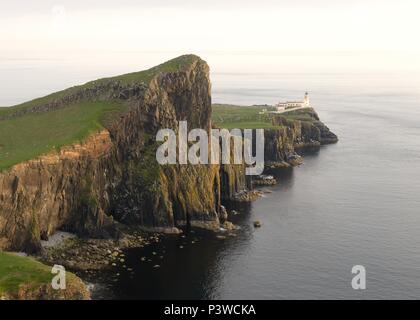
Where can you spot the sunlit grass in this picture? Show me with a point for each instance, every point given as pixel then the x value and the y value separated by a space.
pixel 33 134
pixel 16 270
pixel 27 136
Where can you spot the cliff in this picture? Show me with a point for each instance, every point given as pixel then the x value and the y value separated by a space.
pixel 83 159
pixel 25 278
pixel 284 133
pixel 111 173
pixel 295 130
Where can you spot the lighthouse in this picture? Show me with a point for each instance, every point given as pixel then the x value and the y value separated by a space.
pixel 306 100
pixel 283 106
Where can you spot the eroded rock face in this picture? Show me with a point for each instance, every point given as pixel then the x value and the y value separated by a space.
pixel 41 195
pixel 113 175
pixel 281 144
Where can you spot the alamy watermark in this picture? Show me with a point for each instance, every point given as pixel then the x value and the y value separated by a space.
pixel 58 282
pixel 196 147
pixel 359 280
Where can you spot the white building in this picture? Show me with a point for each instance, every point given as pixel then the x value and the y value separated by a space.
pixel 281 106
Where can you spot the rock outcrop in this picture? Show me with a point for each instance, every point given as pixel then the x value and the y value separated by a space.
pixel 303 132
pixel 24 278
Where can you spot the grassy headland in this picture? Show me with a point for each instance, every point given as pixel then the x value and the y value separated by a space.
pixel 26 278
pixel 29 135
pixel 230 116
pixel 247 117
pixel 174 65
pixel 16 270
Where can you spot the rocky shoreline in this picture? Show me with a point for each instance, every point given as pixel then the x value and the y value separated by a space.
pixel 79 254
pixel 91 255
pixel 86 256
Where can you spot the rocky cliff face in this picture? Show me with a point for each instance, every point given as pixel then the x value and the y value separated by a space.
pixel 303 132
pixel 113 175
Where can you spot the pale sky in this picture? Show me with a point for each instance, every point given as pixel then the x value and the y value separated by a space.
pixel 238 35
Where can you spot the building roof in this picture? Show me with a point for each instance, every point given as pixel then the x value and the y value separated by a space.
pixel 290 102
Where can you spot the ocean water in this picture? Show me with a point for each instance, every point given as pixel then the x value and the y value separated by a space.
pixel 356 202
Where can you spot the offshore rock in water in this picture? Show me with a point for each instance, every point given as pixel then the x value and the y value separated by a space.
pixel 247 196
pixel 264 180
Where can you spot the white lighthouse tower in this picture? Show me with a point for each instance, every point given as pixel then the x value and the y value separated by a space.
pixel 306 100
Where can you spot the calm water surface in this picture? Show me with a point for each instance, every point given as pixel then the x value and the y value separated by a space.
pixel 355 202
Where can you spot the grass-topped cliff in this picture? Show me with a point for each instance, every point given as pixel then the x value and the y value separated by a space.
pixel 248 117
pixel 283 132
pixel 25 137
pixel 36 127
pixel 26 278
pixel 242 117
pixel 174 65
pixel 110 173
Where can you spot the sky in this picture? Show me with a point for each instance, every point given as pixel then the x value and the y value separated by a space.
pixel 264 36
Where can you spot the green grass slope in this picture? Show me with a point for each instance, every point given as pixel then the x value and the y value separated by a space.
pixel 230 116
pixel 174 65
pixel 33 134
pixel 26 137
pixel 26 278
pixel 16 270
